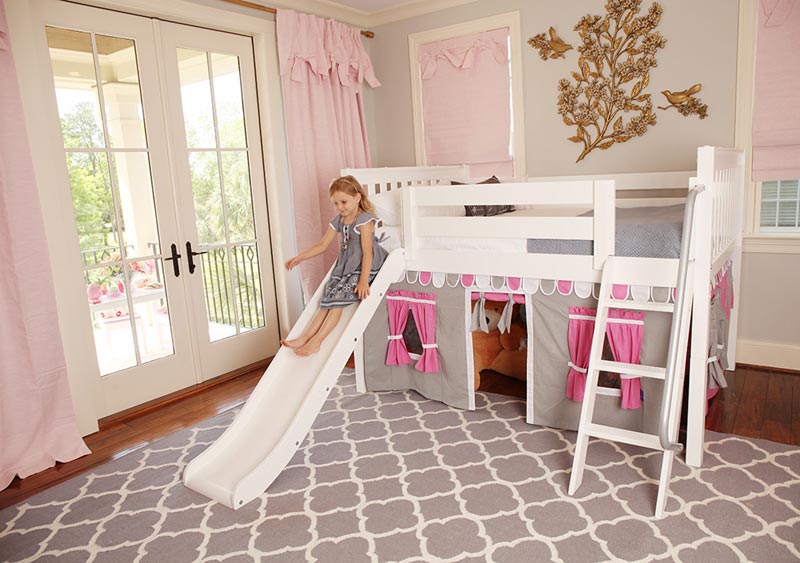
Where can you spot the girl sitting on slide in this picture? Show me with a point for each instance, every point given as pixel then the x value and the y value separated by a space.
pixel 360 258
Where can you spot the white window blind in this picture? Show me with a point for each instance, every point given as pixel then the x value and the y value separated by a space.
pixel 780 206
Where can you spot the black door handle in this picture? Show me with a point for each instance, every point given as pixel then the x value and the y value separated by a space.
pixel 175 258
pixel 190 256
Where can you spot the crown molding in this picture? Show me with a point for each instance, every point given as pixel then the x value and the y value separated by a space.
pixel 412 9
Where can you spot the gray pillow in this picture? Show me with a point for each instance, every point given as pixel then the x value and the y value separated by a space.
pixel 484 210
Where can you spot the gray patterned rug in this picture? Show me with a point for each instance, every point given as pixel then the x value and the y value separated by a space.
pixel 395 477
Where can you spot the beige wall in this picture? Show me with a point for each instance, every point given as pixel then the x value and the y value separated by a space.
pixel 701 47
pixel 708 56
pixel 769 318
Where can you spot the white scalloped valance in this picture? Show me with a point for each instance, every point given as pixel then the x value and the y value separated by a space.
pixel 503 285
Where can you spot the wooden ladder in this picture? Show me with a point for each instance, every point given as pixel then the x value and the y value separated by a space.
pixel 621 271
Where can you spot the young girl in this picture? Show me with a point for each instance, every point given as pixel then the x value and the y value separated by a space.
pixel 360 258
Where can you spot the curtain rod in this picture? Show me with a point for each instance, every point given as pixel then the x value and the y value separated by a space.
pixel 261 8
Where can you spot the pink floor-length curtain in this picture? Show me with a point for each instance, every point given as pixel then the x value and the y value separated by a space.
pixel 397 305
pixel 579 341
pixel 322 65
pixel 466 102
pixel 37 418
pixel 625 340
pixel 423 307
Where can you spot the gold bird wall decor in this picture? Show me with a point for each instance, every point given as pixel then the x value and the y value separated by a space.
pixel 685 102
pixel 553 48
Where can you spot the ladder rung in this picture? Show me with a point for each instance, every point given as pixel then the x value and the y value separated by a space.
pixel 643 306
pixel 632 369
pixel 625 436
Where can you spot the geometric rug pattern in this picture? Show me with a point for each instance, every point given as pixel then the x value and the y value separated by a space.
pixel 396 477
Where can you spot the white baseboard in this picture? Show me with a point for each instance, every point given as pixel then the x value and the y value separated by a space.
pixel 768 354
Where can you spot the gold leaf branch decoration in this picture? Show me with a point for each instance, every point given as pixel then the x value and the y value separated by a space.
pixel 617 52
pixel 685 102
pixel 553 48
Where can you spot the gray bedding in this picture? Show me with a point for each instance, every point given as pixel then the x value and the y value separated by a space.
pixel 642 232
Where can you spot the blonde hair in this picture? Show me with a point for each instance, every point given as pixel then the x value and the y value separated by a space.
pixel 351 186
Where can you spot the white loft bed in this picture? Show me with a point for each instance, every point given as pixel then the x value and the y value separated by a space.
pixel 554 206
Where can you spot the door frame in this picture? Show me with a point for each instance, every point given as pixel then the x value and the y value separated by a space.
pixel 21 20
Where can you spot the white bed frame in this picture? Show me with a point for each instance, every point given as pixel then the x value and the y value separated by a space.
pixel 716 237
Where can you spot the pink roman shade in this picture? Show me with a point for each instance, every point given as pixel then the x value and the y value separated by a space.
pixel 466 102
pixel 776 119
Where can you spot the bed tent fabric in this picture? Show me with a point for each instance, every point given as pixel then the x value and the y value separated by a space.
pixel 550 310
pixel 37 418
pixel 625 332
pixel 322 65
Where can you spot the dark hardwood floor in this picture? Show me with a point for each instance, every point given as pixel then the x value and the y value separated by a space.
pixel 758 403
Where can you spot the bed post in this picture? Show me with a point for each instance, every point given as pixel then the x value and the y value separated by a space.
pixel 604 222
pixel 409 222
pixel 358 357
pixel 736 257
pixel 701 238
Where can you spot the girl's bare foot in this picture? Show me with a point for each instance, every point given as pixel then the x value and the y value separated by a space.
pixel 295 342
pixel 311 347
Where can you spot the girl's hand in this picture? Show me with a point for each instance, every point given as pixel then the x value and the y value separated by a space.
pixel 362 289
pixel 292 262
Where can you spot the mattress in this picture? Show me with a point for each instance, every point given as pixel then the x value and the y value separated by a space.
pixel 642 232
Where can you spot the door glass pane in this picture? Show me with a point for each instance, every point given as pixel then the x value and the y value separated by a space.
pixel 72 59
pixel 151 312
pixel 251 311
pixel 112 196
pixel 122 100
pixel 198 115
pixel 228 98
pixel 113 333
pixel 137 209
pixel 238 201
pixel 207 192
pixel 219 297
pixel 93 205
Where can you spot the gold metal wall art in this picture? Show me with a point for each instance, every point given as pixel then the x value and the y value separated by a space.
pixel 552 48
pixel 616 54
pixel 685 102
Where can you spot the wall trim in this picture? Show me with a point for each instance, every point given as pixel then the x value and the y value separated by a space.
pixel 765 244
pixel 769 354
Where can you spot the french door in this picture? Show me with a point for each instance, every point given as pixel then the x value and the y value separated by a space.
pixel 159 152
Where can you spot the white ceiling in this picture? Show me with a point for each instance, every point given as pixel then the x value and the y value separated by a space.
pixel 373 6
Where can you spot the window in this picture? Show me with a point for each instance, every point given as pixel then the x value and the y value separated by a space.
pixel 780 206
pixel 458 73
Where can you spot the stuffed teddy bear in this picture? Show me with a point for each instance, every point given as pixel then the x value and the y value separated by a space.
pixel 486 345
pixel 513 358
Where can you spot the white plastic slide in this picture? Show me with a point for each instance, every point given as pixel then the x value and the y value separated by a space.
pixel 250 454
